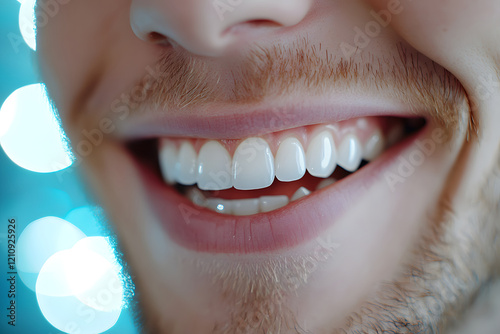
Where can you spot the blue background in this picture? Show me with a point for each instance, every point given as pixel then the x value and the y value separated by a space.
pixel 27 196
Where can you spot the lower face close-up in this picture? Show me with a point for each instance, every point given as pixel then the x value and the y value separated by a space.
pixel 304 166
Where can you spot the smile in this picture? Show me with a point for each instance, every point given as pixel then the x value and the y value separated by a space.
pixel 211 177
pixel 269 191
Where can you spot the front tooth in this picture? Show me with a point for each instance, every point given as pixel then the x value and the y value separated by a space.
pixel 185 167
pixel 350 152
pixel 290 160
pixel 253 165
pixel 374 146
pixel 168 160
pixel 245 207
pixel 214 167
pixel 270 203
pixel 220 205
pixel 321 155
pixel 301 192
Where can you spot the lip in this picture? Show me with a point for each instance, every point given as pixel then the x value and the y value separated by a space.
pixel 234 122
pixel 202 230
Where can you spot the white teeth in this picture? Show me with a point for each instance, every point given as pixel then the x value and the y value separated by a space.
pixel 290 160
pixel 245 207
pixel 214 167
pixel 168 159
pixel 301 192
pixel 253 165
pixel 321 155
pixel 270 203
pixel 325 183
pixel 238 207
pixel 374 146
pixel 220 205
pixel 185 167
pixel 350 152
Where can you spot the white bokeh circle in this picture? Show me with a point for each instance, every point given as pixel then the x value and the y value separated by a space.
pixel 39 241
pixel 79 290
pixel 34 140
pixel 27 22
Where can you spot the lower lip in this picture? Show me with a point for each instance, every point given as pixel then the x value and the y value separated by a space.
pixel 202 230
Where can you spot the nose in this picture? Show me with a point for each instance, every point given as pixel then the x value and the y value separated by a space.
pixel 209 27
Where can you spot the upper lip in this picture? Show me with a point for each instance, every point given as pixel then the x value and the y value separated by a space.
pixel 235 122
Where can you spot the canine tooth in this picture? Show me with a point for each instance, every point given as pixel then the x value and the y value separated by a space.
pixel 290 161
pixel 196 196
pixel 185 167
pixel 253 165
pixel 301 192
pixel 220 205
pixel 374 146
pixel 325 183
pixel 214 167
pixel 245 207
pixel 270 203
pixel 167 160
pixel 321 155
pixel 350 152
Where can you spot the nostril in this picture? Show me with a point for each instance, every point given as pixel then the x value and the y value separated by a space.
pixel 263 23
pixel 252 25
pixel 157 38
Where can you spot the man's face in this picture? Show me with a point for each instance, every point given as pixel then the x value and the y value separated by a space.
pixel 200 123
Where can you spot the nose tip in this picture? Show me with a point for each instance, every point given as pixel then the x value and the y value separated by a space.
pixel 209 27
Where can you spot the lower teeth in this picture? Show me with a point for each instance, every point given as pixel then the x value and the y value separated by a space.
pixel 251 206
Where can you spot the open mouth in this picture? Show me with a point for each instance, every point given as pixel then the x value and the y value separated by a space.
pixel 234 186
pixel 260 174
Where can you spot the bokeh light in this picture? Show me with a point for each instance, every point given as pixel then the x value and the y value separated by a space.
pixel 95 280
pixel 86 219
pixel 7 113
pixel 39 241
pixel 27 21
pixel 79 290
pixel 34 140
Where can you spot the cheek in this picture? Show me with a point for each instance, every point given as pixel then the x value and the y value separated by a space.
pixel 443 24
pixel 90 44
pixel 69 45
pixel 463 36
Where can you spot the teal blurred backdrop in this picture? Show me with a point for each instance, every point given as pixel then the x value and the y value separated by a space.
pixel 27 196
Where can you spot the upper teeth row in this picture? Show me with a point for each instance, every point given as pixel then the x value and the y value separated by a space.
pixel 253 165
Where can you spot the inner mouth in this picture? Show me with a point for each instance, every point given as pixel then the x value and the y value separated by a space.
pixel 259 174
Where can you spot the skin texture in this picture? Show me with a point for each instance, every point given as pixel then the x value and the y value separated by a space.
pixel 409 260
